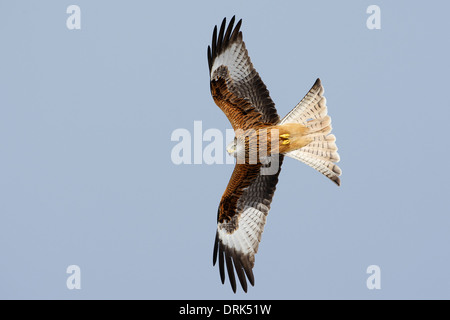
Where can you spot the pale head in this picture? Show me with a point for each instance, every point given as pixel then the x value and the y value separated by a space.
pixel 231 148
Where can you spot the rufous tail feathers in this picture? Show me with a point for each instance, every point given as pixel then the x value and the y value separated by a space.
pixel 305 134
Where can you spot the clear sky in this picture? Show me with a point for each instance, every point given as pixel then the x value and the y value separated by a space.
pixel 87 179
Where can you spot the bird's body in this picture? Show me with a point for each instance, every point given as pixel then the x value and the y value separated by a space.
pixel 270 139
pixel 262 140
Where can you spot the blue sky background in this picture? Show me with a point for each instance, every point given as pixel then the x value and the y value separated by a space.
pixel 86 176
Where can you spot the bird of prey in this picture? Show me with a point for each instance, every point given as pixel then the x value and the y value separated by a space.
pixel 303 134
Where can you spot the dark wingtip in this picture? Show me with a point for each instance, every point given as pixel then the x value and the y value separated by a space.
pixel 208 52
pixel 221 264
pixel 222 37
pixel 237 28
pixel 214 42
pixel 221 31
pixel 240 271
pixel 232 20
pixel 230 270
pixel 249 272
pixel 216 246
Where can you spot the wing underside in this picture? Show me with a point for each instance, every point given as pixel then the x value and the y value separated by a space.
pixel 241 225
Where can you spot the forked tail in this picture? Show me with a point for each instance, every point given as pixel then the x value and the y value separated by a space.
pixel 321 153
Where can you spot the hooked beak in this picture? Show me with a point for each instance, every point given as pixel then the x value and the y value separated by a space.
pixel 231 148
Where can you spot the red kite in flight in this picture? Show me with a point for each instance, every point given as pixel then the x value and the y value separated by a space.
pixel 303 134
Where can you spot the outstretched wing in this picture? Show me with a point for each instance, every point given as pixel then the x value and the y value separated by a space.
pixel 241 218
pixel 235 85
pixel 238 90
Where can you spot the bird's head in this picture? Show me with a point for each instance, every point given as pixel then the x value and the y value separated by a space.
pixel 231 148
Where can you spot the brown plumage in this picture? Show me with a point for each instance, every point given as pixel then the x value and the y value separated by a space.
pixel 261 142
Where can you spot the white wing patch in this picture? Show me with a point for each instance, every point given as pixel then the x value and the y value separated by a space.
pixel 236 59
pixel 245 239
